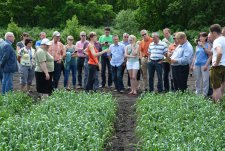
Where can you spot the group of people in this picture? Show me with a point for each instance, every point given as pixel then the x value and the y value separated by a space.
pixel 171 59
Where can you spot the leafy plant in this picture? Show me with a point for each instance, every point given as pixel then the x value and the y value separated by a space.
pixel 180 121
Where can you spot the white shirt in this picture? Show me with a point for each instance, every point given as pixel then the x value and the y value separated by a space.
pixel 219 42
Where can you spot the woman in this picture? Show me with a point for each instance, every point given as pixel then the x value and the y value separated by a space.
pixel 93 64
pixel 70 63
pixel 26 64
pixel 132 55
pixel 21 44
pixel 44 69
pixel 200 64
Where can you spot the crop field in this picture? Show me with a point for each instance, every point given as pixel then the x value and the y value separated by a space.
pixel 177 121
pixel 64 121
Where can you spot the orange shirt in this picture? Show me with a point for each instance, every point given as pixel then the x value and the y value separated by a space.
pixel 172 47
pixel 57 50
pixel 92 59
pixel 144 46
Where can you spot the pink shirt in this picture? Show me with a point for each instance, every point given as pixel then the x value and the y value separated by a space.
pixel 80 48
pixel 57 50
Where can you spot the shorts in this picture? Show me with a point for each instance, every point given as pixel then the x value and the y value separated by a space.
pixel 133 65
pixel 26 75
pixel 43 85
pixel 217 76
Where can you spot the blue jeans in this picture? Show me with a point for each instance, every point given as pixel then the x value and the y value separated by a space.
pixel 152 67
pixel 1 76
pixel 106 62
pixel 56 74
pixel 86 71
pixel 117 77
pixel 7 82
pixel 67 69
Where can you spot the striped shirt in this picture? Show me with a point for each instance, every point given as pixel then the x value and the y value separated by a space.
pixel 157 51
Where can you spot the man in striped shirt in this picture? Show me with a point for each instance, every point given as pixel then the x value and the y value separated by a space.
pixel 157 50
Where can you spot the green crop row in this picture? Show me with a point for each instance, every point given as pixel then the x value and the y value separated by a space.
pixel 65 121
pixel 14 103
pixel 179 121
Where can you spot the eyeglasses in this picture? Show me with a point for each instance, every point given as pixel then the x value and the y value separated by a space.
pixel 83 35
pixel 70 39
pixel 143 35
pixel 125 36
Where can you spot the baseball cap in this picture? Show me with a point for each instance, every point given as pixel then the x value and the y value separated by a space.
pixel 46 41
pixel 56 33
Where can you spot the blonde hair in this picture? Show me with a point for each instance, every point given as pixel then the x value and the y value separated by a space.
pixel 181 35
pixel 133 37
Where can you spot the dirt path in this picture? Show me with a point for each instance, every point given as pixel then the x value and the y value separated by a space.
pixel 124 137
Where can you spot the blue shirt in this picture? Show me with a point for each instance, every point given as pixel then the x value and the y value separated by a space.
pixel 125 43
pixel 201 56
pixel 117 53
pixel 158 50
pixel 183 54
pixel 38 43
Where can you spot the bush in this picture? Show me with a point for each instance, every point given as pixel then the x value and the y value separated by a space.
pixel 125 21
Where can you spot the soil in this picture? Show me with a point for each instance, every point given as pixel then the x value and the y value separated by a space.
pixel 124 138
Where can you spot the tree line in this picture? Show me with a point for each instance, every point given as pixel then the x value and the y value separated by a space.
pixel 150 14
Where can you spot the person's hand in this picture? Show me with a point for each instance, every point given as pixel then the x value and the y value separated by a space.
pixel 47 77
pixel 107 50
pixel 173 61
pixel 214 64
pixel 192 68
pixel 59 61
pixel 205 68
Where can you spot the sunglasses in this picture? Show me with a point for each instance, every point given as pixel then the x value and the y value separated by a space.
pixel 143 35
pixel 83 35
pixel 70 39
pixel 125 36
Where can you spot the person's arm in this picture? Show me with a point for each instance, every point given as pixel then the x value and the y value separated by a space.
pixel 193 63
pixel 187 54
pixel 207 63
pixel 45 69
pixel 207 50
pixel 91 47
pixel 6 54
pixel 126 53
pixel 219 55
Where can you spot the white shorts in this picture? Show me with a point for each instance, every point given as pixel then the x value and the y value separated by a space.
pixel 133 65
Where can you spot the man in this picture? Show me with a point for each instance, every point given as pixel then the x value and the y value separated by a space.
pixel 218 62
pixel 223 31
pixel 8 62
pixel 42 36
pixel 117 53
pixel 81 56
pixel 106 41
pixel 1 42
pixel 57 51
pixel 157 50
pixel 144 45
pixel 125 42
pixel 180 61
pixel 168 39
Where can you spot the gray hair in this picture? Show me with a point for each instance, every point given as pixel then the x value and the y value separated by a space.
pixel 81 33
pixel 144 31
pixel 8 34
pixel 115 36
pixel 155 34
pixel 42 33
pixel 125 34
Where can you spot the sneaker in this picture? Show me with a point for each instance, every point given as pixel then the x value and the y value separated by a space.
pixel 110 86
pixel 79 87
pixel 122 91
pixel 115 90
pixel 101 86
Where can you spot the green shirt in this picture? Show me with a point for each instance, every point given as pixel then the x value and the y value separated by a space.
pixel 44 56
pixel 168 41
pixel 104 39
pixel 129 52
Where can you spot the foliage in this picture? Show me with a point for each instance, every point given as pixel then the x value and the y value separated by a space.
pixel 65 121
pixel 14 103
pixel 125 21
pixel 13 27
pixel 180 121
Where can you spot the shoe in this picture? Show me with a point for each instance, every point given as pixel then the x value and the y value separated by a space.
pixel 79 87
pixel 115 90
pixel 122 91
pixel 128 87
pixel 110 86
pixel 101 86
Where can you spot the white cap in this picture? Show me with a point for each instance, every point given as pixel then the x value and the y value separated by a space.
pixel 46 41
pixel 56 33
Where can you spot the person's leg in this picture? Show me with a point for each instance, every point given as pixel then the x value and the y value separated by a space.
pixel 57 74
pixel 144 68
pixel 159 69
pixel 205 78
pixel 128 79
pixel 130 71
pixel 175 78
pixel 120 78
pixel 96 83
pixel 109 72
pixel 85 72
pixel 1 76
pixel 114 77
pixel 91 77
pixel 74 72
pixel 198 76
pixel 184 77
pixel 166 71
pixel 151 71
pixel 80 64
pixel 134 79
pixel 30 78
pixel 23 77
pixel 103 62
pixel 123 69
pixel 66 76
pixel 9 82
